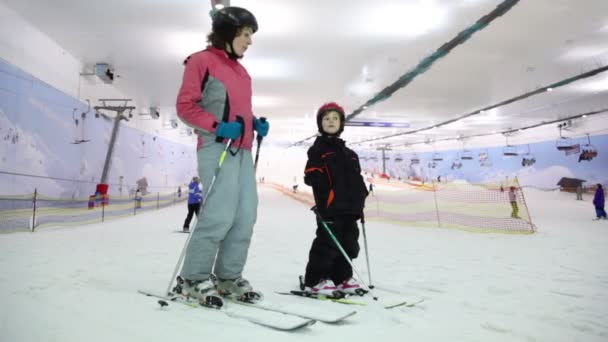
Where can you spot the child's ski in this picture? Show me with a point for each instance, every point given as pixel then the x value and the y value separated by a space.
pixel 342 299
pixel 346 300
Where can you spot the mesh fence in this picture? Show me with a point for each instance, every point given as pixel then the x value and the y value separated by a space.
pixel 472 207
pixel 34 211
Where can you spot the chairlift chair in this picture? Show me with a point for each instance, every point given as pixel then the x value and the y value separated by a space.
pixel 528 158
pixel 456 164
pixel 398 159
pixel 564 144
pixel 414 159
pixel 466 155
pixel 483 156
pixel 510 151
pixel 484 159
pixel 437 157
pixel 588 151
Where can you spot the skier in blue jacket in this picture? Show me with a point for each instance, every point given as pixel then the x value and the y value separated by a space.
pixel 598 202
pixel 195 198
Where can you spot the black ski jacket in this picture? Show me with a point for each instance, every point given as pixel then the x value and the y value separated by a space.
pixel 334 173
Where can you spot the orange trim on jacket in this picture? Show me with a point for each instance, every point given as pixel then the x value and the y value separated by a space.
pixel 311 169
pixel 330 198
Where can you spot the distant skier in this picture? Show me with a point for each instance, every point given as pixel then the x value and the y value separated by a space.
pixel 579 192
pixel 195 198
pixel 598 202
pixel 513 200
pixel 138 197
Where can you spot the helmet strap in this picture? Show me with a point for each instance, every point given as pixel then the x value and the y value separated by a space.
pixel 230 50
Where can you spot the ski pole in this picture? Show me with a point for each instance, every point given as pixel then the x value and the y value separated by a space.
pixel 257 151
pixel 333 237
pixel 369 271
pixel 183 253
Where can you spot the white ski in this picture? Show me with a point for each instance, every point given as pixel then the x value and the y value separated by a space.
pixel 298 310
pixel 276 320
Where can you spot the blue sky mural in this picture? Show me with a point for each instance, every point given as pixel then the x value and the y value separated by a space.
pixel 40 128
pixel 492 165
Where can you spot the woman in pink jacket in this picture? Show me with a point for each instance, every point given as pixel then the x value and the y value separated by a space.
pixel 215 100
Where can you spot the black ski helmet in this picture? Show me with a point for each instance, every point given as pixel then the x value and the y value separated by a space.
pixel 228 20
pixel 327 108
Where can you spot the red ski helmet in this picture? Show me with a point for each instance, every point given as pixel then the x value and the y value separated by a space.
pixel 330 106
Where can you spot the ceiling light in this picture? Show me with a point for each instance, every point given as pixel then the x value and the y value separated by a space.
pixel 282 25
pixel 219 6
pixel 265 101
pixel 594 86
pixel 583 53
pixel 413 19
pixel 584 116
pixel 361 89
pixel 549 89
pixel 268 68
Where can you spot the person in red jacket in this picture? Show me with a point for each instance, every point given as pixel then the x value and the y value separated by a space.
pixel 215 99
pixel 334 173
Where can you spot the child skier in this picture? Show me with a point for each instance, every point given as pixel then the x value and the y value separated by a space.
pixel 334 173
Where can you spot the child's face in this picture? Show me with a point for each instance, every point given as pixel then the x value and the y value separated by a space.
pixel 331 122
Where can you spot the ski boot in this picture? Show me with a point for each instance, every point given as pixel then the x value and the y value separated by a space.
pixel 202 290
pixel 240 289
pixel 325 290
pixel 352 286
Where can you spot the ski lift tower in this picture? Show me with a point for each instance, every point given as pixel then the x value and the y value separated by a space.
pixel 384 149
pixel 119 106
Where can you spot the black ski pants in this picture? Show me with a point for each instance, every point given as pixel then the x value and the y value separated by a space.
pixel 192 209
pixel 325 261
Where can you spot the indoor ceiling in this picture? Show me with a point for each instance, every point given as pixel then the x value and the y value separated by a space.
pixel 310 52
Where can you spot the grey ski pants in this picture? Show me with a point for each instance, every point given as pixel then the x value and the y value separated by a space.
pixel 223 232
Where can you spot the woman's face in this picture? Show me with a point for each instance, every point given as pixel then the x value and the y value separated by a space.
pixel 242 41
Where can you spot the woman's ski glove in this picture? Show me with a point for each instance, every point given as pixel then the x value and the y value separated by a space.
pixel 229 130
pixel 261 126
